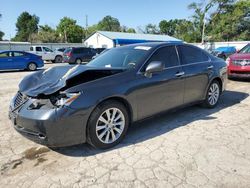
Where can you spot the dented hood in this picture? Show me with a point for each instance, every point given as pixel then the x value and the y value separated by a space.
pixel 49 81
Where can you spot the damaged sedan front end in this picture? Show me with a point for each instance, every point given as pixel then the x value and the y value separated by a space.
pixel 42 108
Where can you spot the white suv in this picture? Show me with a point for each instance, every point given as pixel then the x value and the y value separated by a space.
pixel 47 54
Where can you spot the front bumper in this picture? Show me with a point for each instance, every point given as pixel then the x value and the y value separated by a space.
pixel 239 71
pixel 53 127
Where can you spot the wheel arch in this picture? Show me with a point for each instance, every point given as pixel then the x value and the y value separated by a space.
pixel 123 101
pixel 218 79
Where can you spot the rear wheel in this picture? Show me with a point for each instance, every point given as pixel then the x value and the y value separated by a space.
pixel 108 125
pixel 78 61
pixel 213 95
pixel 58 59
pixel 32 67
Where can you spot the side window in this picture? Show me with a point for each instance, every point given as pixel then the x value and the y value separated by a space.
pixel 4 54
pixel 47 49
pixel 18 54
pixel 31 48
pixel 78 50
pixel 167 55
pixel 189 54
pixel 39 49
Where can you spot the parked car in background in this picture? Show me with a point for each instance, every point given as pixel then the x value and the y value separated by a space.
pixel 239 63
pixel 224 52
pixel 78 55
pixel 47 54
pixel 97 102
pixel 101 53
pixel 19 60
pixel 60 50
pixel 99 50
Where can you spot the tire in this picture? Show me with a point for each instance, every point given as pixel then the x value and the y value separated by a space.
pixel 109 134
pixel 213 95
pixel 78 61
pixel 32 66
pixel 58 59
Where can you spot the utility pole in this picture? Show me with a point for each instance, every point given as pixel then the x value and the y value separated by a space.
pixel 203 29
pixel 86 21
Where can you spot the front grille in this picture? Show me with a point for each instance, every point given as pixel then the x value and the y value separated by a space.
pixel 241 63
pixel 19 100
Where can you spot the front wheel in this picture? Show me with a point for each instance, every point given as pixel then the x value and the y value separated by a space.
pixel 213 95
pixel 107 125
pixel 32 66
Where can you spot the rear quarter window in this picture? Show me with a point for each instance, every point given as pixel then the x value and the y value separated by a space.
pixel 39 49
pixel 189 55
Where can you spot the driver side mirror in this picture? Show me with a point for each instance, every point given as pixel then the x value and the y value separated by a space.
pixel 153 67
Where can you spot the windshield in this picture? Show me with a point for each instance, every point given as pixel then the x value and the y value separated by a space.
pixel 245 50
pixel 123 57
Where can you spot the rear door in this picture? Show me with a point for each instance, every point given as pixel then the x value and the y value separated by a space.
pixel 164 90
pixel 39 52
pixel 197 68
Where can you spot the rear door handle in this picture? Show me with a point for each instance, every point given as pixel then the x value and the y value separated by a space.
pixel 210 67
pixel 179 74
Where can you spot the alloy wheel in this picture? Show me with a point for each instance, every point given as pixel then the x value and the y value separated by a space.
pixel 213 94
pixel 32 66
pixel 110 125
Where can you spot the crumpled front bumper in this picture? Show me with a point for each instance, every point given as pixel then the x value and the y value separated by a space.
pixel 53 127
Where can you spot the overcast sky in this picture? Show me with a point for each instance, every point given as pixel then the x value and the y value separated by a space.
pixel 132 13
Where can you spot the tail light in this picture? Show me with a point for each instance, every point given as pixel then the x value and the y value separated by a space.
pixel 68 54
pixel 228 60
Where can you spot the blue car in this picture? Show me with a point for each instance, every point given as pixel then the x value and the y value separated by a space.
pixel 224 52
pixel 19 60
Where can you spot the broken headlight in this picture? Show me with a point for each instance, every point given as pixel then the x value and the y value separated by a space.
pixel 65 99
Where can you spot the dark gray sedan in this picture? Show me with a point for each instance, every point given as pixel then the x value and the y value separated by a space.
pixel 96 103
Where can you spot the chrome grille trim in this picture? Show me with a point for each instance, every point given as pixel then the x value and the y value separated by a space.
pixel 241 62
pixel 18 99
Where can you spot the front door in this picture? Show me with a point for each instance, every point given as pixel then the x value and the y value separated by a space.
pixel 5 60
pixel 164 90
pixel 48 54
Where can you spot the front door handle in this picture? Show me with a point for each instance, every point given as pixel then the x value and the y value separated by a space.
pixel 210 67
pixel 179 74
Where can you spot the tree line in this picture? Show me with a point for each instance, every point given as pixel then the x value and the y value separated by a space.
pixel 215 20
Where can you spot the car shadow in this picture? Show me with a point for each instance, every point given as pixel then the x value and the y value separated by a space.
pixel 160 124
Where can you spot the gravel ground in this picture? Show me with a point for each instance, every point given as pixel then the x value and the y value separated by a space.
pixel 192 147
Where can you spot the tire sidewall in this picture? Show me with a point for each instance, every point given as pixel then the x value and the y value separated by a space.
pixel 91 134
